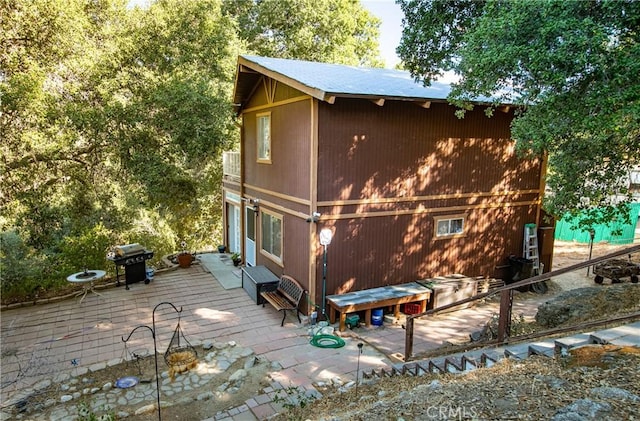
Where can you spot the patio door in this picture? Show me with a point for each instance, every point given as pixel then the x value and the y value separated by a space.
pixel 234 228
pixel 250 237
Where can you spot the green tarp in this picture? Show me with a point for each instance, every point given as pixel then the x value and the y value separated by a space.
pixel 564 232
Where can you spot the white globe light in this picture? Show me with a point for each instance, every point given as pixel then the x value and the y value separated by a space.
pixel 325 236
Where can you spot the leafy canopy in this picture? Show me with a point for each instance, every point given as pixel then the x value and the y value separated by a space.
pixel 330 31
pixel 113 119
pixel 572 66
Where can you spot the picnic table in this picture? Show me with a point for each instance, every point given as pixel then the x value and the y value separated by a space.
pixel 368 299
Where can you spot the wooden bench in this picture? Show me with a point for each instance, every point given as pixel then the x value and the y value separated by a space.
pixel 368 299
pixel 285 297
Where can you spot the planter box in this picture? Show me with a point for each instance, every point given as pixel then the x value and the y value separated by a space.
pixel 447 291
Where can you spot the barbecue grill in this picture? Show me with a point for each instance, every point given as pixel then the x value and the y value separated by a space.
pixel 133 257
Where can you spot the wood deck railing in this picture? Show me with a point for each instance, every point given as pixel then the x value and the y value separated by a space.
pixel 231 164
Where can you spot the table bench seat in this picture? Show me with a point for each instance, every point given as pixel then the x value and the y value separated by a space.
pixel 392 295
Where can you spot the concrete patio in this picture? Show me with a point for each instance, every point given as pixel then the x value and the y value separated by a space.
pixel 42 340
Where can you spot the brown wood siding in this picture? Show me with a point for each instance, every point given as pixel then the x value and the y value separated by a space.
pixel 259 96
pixel 295 252
pixel 371 252
pixel 282 186
pixel 284 92
pixel 288 172
pixel 401 149
pixel 430 160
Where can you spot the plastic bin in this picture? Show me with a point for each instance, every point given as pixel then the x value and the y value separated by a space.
pixel 411 308
pixel 377 316
pixel 520 268
pixel 352 320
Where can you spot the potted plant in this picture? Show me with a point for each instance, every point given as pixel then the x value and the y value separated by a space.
pixel 221 248
pixel 184 258
pixel 236 258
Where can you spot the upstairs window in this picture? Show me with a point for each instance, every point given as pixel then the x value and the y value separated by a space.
pixel 264 137
pixel 449 226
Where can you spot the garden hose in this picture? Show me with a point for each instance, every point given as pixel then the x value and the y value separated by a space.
pixel 327 341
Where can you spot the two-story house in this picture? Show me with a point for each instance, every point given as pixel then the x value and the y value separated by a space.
pixel 408 189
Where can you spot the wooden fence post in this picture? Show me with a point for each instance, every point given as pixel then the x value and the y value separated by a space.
pixel 504 322
pixel 408 339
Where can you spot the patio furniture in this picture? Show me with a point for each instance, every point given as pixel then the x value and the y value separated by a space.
pixel 86 279
pixel 286 296
pixel 368 299
pixel 256 279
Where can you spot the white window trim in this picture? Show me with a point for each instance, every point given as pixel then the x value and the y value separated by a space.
pixel 278 260
pixel 438 219
pixel 259 141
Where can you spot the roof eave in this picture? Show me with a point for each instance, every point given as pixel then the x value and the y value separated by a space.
pixel 314 92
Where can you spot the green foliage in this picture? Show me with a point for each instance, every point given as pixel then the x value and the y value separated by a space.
pixel 573 67
pixel 85 413
pixel 292 398
pixel 85 250
pixel 113 121
pixel 20 265
pixel 333 31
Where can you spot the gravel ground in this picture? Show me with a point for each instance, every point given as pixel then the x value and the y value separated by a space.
pixel 598 382
pixel 601 383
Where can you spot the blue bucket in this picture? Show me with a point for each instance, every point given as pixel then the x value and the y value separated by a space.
pixel 377 316
pixel 150 272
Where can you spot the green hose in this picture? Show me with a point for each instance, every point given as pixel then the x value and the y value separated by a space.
pixel 327 341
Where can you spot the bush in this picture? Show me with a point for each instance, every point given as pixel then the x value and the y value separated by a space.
pixel 87 249
pixel 20 266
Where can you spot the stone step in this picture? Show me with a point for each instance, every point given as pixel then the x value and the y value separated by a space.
pixel 563 345
pixel 422 368
pixel 628 335
pixel 453 364
pixel 518 351
pixel 491 356
pixel 627 341
pixel 472 360
pixel 437 365
pixel 608 335
pixel 543 348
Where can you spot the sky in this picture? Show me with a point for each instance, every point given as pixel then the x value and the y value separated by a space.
pixel 390 29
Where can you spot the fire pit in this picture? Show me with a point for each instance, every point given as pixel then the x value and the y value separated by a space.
pixel 133 257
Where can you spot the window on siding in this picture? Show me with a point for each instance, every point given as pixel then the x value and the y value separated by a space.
pixel 264 137
pixel 449 226
pixel 271 238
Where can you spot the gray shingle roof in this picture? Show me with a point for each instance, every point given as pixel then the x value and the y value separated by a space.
pixel 349 80
pixel 324 80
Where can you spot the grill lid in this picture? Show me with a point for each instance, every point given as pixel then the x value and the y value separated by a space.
pixel 128 250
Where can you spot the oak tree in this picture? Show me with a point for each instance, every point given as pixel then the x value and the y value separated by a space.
pixel 573 68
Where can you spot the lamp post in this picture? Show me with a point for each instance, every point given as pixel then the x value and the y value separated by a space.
pixel 325 239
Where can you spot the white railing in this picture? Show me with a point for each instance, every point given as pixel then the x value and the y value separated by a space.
pixel 231 164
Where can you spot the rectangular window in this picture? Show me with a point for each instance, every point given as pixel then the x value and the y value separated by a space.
pixel 264 137
pixel 271 238
pixel 449 226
